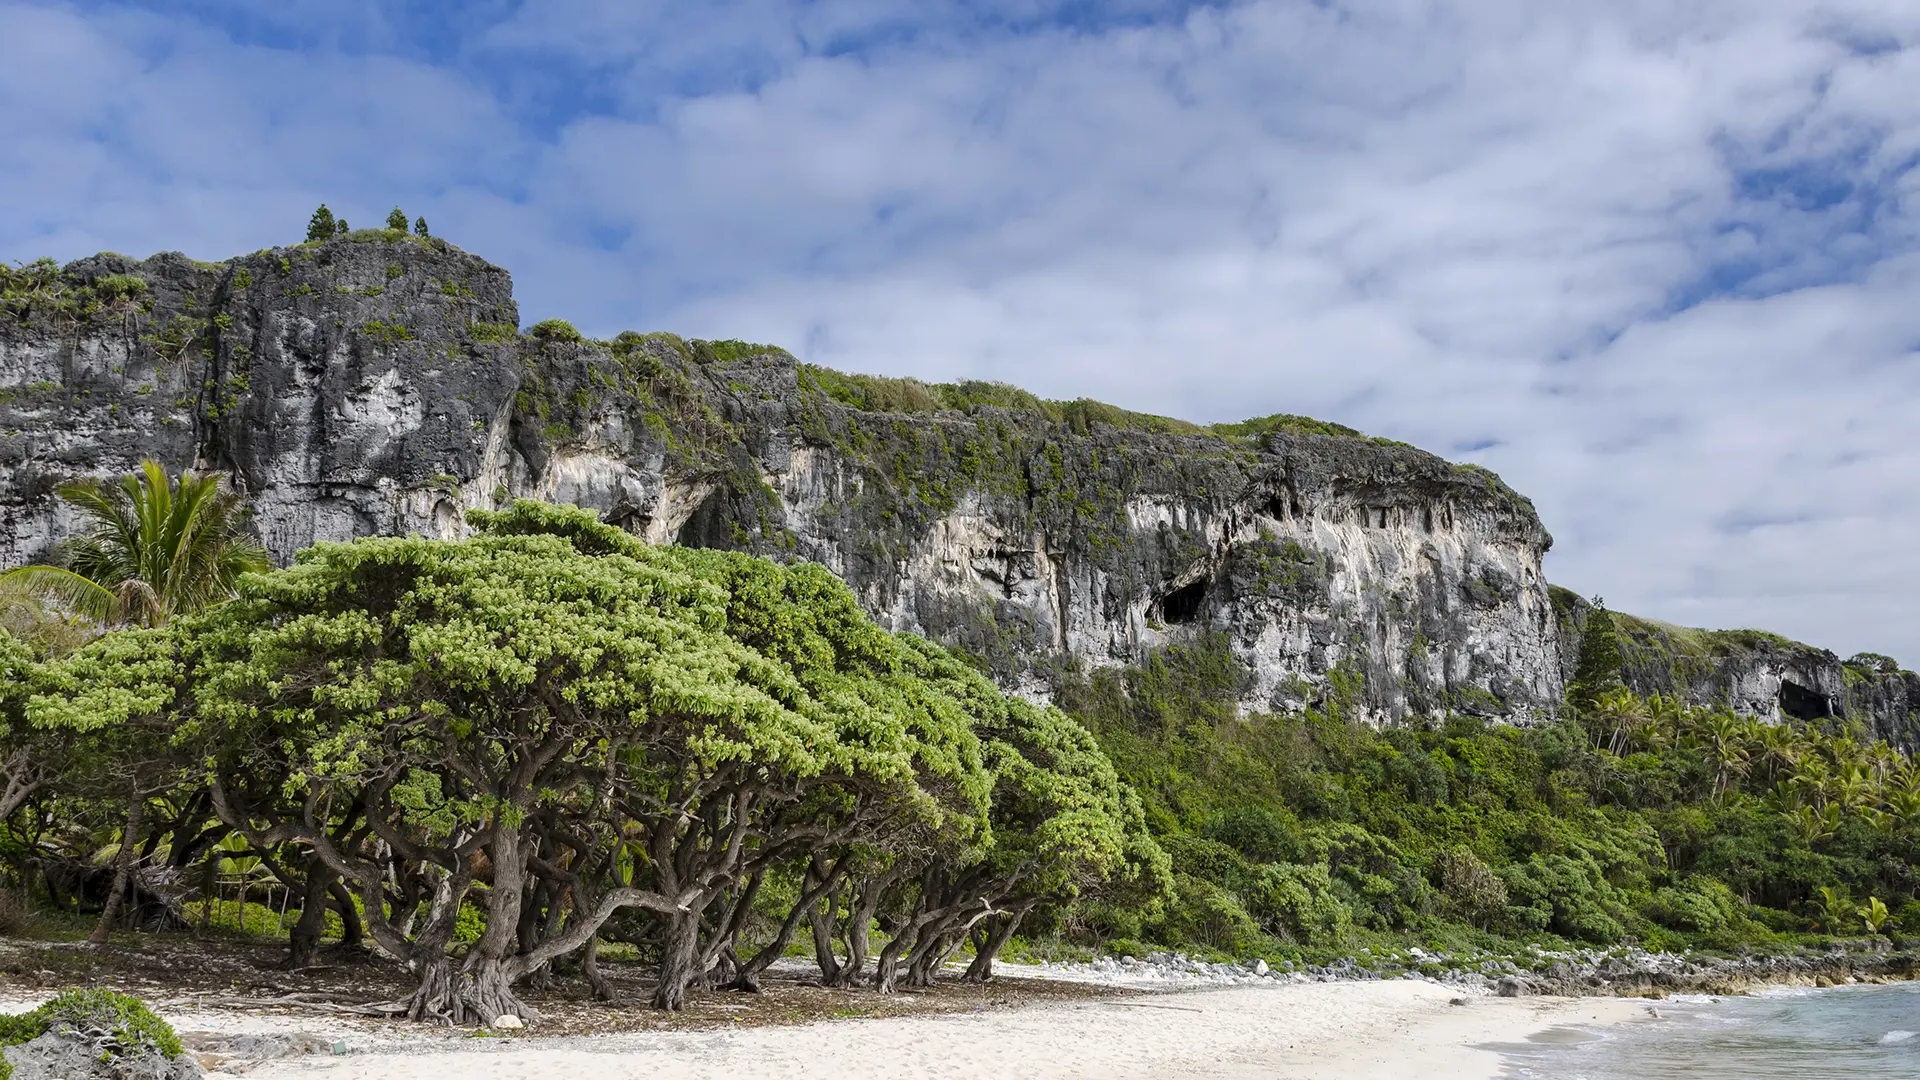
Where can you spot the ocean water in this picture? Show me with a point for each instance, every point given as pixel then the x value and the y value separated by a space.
pixel 1854 1032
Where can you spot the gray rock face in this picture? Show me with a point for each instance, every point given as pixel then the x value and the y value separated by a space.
pixel 1753 672
pixel 356 388
pixel 378 385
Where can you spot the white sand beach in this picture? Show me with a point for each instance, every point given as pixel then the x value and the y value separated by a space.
pixel 1350 1031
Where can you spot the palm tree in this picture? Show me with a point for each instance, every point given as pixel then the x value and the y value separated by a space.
pixel 1812 826
pixel 158 547
pixel 1618 713
pixel 1852 789
pixel 1874 913
pixel 1724 738
pixel 1781 748
pixel 1837 910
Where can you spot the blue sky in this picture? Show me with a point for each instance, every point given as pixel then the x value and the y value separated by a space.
pixel 1656 263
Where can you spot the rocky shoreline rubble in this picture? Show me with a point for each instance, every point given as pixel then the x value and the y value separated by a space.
pixel 1572 973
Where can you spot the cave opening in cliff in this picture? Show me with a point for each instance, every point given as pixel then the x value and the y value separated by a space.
pixel 1182 605
pixel 1801 703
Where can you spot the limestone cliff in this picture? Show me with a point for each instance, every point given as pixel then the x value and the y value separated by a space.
pixel 1753 672
pixel 379 384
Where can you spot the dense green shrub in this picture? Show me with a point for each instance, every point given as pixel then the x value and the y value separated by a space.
pixel 555 330
pixel 1297 902
pixel 1617 822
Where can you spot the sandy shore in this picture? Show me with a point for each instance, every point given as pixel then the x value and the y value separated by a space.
pixel 1349 1031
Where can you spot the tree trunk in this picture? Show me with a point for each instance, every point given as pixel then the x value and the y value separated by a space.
pixel 812 889
pixel 822 923
pixel 476 993
pixel 679 959
pixel 886 966
pixel 351 933
pixel 122 869
pixel 590 967
pixel 860 927
pixel 303 944
pixel 937 942
pixel 998 933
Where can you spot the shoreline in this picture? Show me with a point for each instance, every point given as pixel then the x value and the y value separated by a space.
pixel 1120 1022
pixel 1382 1030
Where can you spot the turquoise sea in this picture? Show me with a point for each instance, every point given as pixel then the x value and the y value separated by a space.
pixel 1855 1033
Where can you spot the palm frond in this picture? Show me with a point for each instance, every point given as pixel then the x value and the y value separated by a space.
pixel 160 545
pixel 64 588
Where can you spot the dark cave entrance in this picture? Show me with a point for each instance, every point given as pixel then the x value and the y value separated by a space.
pixel 1803 704
pixel 1182 605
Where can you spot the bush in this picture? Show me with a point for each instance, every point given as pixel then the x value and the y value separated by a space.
pixel 1563 894
pixel 397 219
pixel 1698 905
pixel 1209 859
pixel 1469 888
pixel 1204 914
pixel 555 330
pixel 1259 833
pixel 1297 902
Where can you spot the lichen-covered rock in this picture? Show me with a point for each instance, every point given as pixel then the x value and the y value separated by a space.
pixel 92 1035
pixel 70 1054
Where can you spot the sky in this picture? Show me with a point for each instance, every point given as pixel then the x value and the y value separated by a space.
pixel 1653 262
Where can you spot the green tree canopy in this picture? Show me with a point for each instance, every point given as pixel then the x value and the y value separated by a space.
pixel 554 685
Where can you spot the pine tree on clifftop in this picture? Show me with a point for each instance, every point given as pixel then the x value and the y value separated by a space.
pixel 320 226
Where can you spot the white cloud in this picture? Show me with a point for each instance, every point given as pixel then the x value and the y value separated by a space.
pixel 1655 259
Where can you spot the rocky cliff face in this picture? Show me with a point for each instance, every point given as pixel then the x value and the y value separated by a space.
pixel 379 384
pixel 1753 672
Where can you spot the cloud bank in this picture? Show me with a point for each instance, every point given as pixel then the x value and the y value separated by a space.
pixel 1655 263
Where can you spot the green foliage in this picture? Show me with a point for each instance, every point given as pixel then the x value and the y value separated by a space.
pixel 1285 422
pixel 397 219
pixel 321 226
pixel 681 719
pixel 721 352
pixel 420 228
pixel 555 330
pixel 386 333
pixel 1873 663
pixel 1631 820
pixel 493 333
pixel 1598 668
